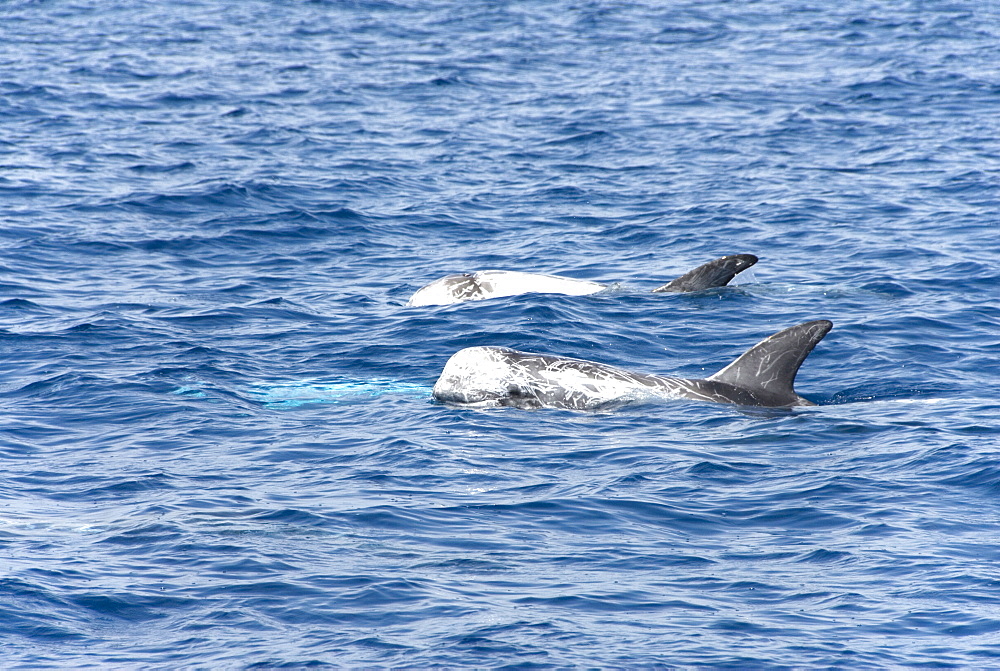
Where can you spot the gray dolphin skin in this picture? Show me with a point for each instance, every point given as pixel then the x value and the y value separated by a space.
pixel 485 284
pixel 716 273
pixel 487 377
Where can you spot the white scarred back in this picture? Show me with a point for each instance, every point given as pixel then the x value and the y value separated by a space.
pixel 486 284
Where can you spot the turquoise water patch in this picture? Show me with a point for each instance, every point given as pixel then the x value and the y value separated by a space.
pixel 287 395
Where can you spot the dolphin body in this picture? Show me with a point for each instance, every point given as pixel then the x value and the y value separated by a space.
pixel 496 376
pixel 485 284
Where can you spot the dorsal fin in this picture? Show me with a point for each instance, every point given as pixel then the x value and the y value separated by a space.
pixel 715 273
pixel 769 367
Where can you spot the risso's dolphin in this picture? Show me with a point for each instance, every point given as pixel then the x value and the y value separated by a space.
pixel 485 284
pixel 496 376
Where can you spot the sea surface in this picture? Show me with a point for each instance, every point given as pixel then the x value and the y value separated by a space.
pixel 218 447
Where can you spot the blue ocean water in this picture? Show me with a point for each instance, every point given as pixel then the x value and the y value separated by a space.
pixel 217 440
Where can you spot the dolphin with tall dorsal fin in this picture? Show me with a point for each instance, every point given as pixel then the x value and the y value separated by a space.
pixel 486 284
pixel 763 376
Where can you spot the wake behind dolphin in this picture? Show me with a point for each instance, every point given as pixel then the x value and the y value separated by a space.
pixel 496 376
pixel 486 284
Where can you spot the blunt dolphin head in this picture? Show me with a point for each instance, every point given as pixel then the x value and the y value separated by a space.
pixel 763 376
pixel 485 284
